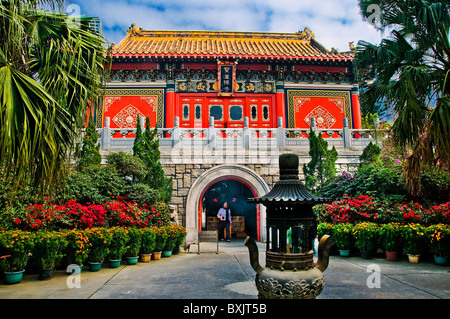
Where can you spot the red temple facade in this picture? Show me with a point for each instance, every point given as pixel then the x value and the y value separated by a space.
pixel 195 75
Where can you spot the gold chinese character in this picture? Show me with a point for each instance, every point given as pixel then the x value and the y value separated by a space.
pixel 250 87
pixel 201 86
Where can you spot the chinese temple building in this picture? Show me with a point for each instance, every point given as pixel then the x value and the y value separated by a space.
pixel 194 75
pixel 216 82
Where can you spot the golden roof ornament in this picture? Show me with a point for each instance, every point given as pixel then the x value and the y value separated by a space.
pixel 306 34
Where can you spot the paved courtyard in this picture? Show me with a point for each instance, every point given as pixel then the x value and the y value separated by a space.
pixel 228 275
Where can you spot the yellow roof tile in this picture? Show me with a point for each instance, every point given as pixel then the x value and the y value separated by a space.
pixel 300 45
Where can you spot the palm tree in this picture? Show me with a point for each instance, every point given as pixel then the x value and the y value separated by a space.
pixel 51 67
pixel 412 68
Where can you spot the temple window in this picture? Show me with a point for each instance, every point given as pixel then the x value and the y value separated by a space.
pixel 235 112
pixel 185 111
pixel 216 111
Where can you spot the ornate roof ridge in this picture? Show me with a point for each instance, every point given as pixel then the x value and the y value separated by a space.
pixel 301 44
pixel 306 34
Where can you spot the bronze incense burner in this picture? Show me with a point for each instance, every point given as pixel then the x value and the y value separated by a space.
pixel 290 271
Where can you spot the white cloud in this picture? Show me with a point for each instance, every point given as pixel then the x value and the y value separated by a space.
pixel 335 23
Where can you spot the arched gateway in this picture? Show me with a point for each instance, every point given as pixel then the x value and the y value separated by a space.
pixel 222 172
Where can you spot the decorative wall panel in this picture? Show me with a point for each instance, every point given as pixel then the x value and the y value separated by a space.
pixel 328 107
pixel 125 104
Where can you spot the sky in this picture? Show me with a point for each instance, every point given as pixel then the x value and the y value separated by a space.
pixel 335 23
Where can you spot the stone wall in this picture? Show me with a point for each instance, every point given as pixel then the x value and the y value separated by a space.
pixel 184 175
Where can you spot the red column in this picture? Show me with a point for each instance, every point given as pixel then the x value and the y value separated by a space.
pixel 356 108
pixel 170 104
pixel 279 102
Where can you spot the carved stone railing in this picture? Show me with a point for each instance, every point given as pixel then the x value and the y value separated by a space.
pixel 246 138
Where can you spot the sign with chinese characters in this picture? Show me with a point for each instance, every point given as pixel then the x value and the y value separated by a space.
pixel 226 78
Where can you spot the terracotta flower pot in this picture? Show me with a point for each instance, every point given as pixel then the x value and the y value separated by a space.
pixel 391 255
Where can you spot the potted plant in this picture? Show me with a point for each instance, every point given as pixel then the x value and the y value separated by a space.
pixel 48 252
pixel 365 235
pixel 390 235
pixel 325 229
pixel 15 247
pixel 171 240
pixel 77 249
pixel 118 245
pixel 439 242
pixel 134 245
pixel 148 244
pixel 181 235
pixel 160 241
pixel 414 240
pixel 99 241
pixel 343 237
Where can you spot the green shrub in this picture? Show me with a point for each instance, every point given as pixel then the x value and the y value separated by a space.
pixel 119 241
pixel 342 236
pixel 128 166
pixel 49 248
pixel 390 235
pixel 94 184
pixel 143 194
pixel 369 179
pixel 17 245
pixel 370 154
pixel 324 229
pixel 365 235
pixel 134 243
pixel 90 154
pixel 148 240
pixel 321 169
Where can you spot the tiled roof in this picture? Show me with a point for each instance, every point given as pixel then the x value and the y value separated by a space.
pixel 211 44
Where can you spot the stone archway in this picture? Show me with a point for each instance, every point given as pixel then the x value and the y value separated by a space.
pixel 238 172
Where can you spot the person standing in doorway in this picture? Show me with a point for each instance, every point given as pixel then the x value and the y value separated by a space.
pixel 224 216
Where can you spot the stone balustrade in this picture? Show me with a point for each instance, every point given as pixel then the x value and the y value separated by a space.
pixel 239 138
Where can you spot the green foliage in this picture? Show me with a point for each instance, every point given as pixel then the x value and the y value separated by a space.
pixel 365 235
pixel 90 154
pixel 412 71
pixel 370 154
pixel 324 229
pixel 143 194
pixel 134 243
pixel 99 242
pixel 49 71
pixel 148 237
pixel 119 241
pixel 390 235
pixel 77 248
pixel 146 147
pixel 369 179
pixel 160 238
pixel 367 121
pixel 94 184
pixel 414 238
pixel 17 245
pixel 124 175
pixel 321 169
pixel 128 166
pixel 436 184
pixel 343 236
pixel 49 248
